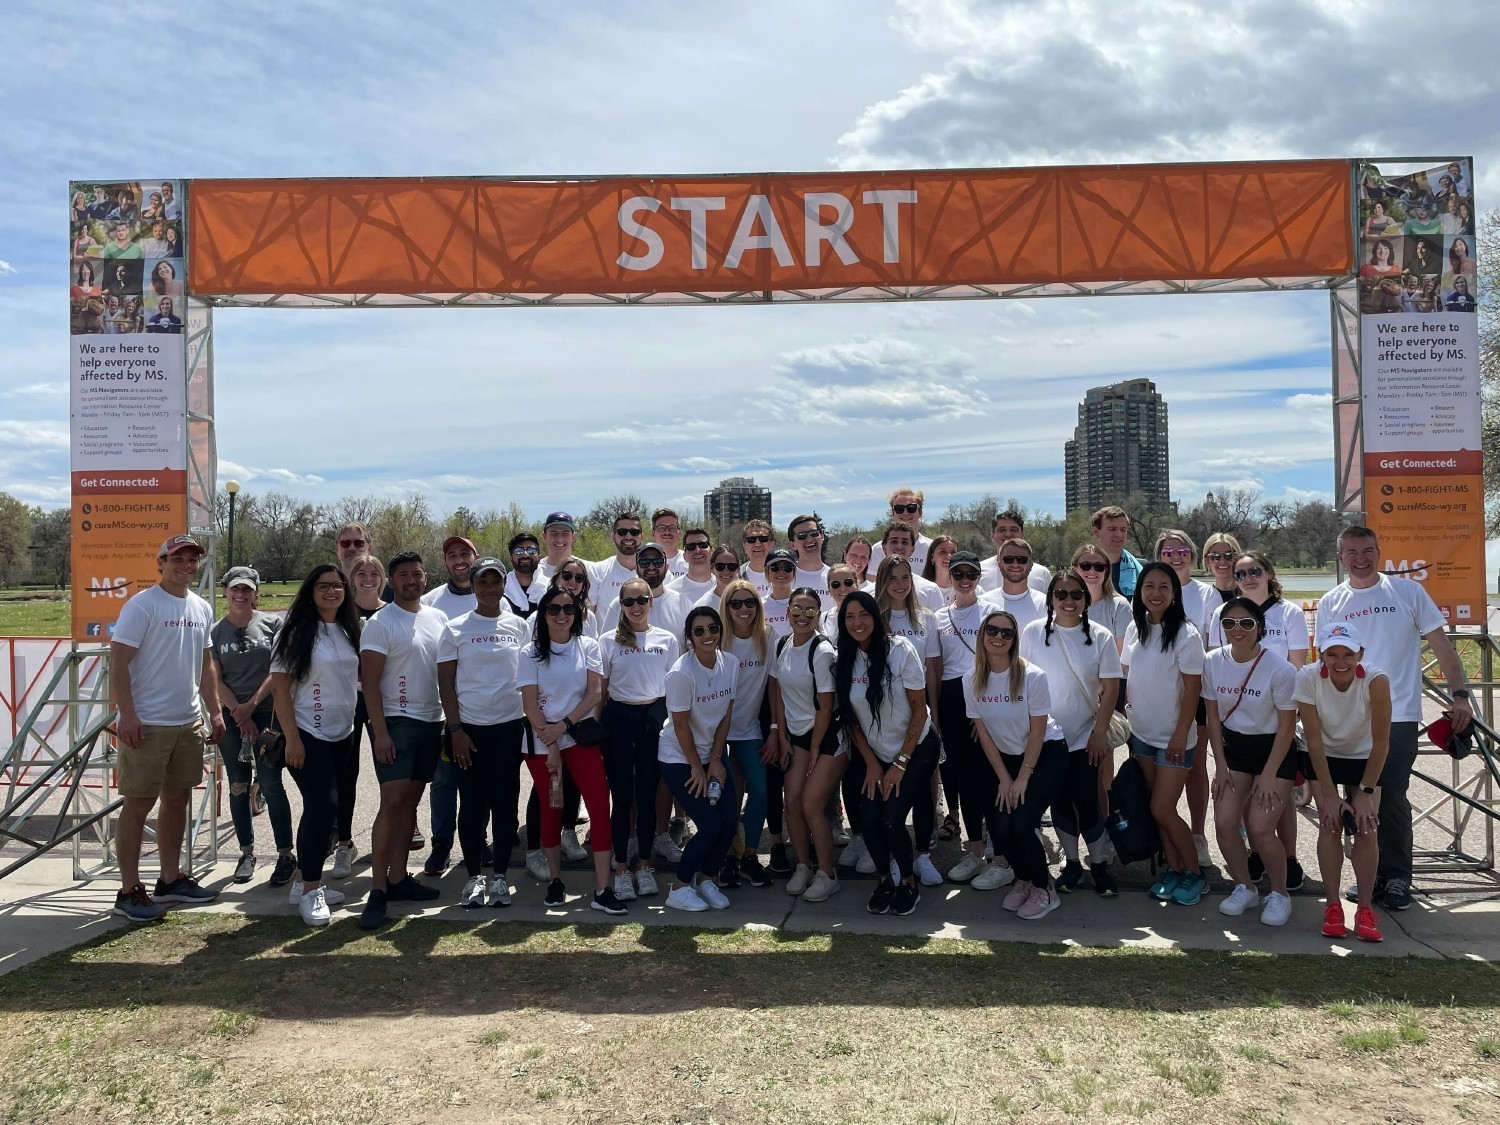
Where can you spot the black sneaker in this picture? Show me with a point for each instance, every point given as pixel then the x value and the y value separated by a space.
pixel 557 894
pixel 136 905
pixel 1070 876
pixel 286 867
pixel 244 870
pixel 905 900
pixel 880 901
pixel 752 872
pixel 1257 868
pixel 1295 876
pixel 1397 895
pixel 1352 891
pixel 606 902
pixel 437 859
pixel 1104 880
pixel 409 890
pixel 372 917
pixel 185 889
pixel 780 862
pixel 729 874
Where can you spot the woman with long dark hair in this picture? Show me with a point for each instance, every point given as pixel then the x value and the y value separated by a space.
pixel 314 674
pixel 939 555
pixel 880 684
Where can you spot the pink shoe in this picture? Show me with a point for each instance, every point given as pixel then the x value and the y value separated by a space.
pixel 1043 901
pixel 1018 895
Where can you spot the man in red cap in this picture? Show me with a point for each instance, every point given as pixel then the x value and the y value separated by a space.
pixel 456 596
pixel 161 665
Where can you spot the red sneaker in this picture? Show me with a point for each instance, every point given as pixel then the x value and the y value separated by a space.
pixel 1333 921
pixel 1365 926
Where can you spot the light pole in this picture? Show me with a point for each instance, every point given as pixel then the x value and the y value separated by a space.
pixel 233 488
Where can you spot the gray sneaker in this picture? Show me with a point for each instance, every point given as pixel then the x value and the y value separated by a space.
pixel 244 870
pixel 184 889
pixel 136 905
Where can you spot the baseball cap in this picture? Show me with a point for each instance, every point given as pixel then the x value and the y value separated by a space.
pixel 781 554
pixel 174 543
pixel 1458 744
pixel 489 562
pixel 560 517
pixel 521 537
pixel 242 576
pixel 963 558
pixel 1338 634
pixel 657 547
pixel 452 539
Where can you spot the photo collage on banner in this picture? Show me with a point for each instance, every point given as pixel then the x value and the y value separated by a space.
pixel 1419 345
pixel 127 301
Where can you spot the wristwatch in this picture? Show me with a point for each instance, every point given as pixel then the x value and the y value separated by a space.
pixel 1368 790
pixel 1461 693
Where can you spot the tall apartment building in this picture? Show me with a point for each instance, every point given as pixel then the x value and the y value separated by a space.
pixel 736 500
pixel 1119 447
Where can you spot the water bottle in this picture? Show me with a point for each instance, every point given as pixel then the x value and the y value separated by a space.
pixel 714 789
pixel 555 795
pixel 247 748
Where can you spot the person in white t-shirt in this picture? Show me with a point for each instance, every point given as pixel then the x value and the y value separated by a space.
pixel 558 532
pixel 694 741
pixel 759 539
pixel 314 682
pixel 456 595
pixel 1252 717
pixel 936 569
pixel 1008 700
pixel 1016 595
pixel 1083 678
pixel 880 684
pixel 897 541
pixel 781 570
pixel 1394 616
pixel 1346 717
pixel 1163 661
pixel 753 733
pixel 607 575
pixel 477 682
pixel 525 583
pixel 697 578
pixel 399 650
pixel 906 508
pixel 1106 606
pixel 668 606
pixel 1009 524
pixel 666 530
pixel 161 666
pixel 807 539
pixel 857 554
pixel 635 657
pixel 842 581
pixel 726 571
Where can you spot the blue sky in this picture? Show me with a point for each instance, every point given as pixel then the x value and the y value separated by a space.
pixel 831 407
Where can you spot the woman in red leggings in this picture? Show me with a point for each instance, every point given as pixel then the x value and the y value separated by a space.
pixel 561 682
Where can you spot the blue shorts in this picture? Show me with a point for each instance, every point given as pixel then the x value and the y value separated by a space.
pixel 1159 754
pixel 418 745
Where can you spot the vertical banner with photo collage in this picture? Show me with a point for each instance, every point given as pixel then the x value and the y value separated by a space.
pixel 128 403
pixel 1419 353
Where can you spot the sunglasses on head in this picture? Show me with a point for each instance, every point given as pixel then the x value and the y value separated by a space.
pixel 801 535
pixel 906 509
pixel 709 630
pixel 1015 560
pixel 352 542
pixel 1099 566
pixel 1068 595
pixel 557 609
pixel 726 568
pixel 1237 622
pixel 696 546
pixel 643 599
pixel 840 583
pixel 1251 572
pixel 1005 632
pixel 741 603
pixel 757 538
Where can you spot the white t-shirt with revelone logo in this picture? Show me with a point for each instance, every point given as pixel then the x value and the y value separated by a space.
pixel 958 636
pixel 749 684
pixel 637 673
pixel 1156 688
pixel 917 558
pixel 1075 698
pixel 412 644
pixel 323 700
pixel 922 633
pixel 1343 716
pixel 800 687
pixel 562 681
pixel 908 672
pixel 669 609
pixel 775 610
pixel 605 579
pixel 813 580
pixel 1392 617
pixel 706 694
pixel 1008 717
pixel 169 635
pixel 488 653
pixel 1268 690
pixel 1286 628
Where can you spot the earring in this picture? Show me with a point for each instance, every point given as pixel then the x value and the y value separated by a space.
pixel 1322 669
pixel 1359 671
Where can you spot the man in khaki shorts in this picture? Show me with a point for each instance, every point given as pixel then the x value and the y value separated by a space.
pixel 161 664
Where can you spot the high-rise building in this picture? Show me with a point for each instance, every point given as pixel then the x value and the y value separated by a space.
pixel 736 500
pixel 1119 447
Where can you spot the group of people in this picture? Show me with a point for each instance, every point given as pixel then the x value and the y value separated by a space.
pixel 127 272
pixel 806 717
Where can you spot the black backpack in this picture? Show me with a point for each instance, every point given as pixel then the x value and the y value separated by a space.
pixel 1132 829
pixel 831 736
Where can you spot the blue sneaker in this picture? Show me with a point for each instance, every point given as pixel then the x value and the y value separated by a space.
pixel 1190 888
pixel 137 905
pixel 1166 885
pixel 183 889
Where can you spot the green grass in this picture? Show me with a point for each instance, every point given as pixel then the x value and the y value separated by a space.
pixel 1379 1039
pixel 36 613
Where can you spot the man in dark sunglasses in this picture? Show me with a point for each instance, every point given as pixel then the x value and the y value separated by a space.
pixel 906 509
pixel 1009 524
pixel 607 575
pixel 698 579
pixel 806 536
pixel 523 587
pixel 759 539
pixel 351 541
pixel 669 608
pixel 1016 595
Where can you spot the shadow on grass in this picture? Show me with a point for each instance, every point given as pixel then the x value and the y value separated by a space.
pixel 278 969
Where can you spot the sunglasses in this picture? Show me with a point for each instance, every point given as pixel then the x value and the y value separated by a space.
pixel 801 535
pixel 757 538
pixel 649 560
pixel 1237 622
pixel 1100 567
pixel 705 630
pixel 633 532
pixel 570 576
pixel 1175 553
pixel 964 574
pixel 906 509
pixel 1252 572
pixel 1220 556
pixel 839 584
pixel 802 611
pixel 697 546
pixel 352 542
pixel 1068 595
pixel 726 568
pixel 642 600
pixel 556 610
pixel 1015 560
pixel 780 568
pixel 525 551
pixel 741 603
pixel 1004 632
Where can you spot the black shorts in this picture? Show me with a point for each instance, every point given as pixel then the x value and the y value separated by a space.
pixel 831 741
pixel 1342 771
pixel 1200 716
pixel 1248 753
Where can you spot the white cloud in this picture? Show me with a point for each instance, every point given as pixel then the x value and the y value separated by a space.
pixel 697 465
pixel 37 390
pixel 1249 459
pixel 878 382
pixel 33 435
pixel 246 474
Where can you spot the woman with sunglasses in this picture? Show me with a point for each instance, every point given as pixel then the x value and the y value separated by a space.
pixel 857 554
pixel 881 687
pixel 753 740
pixel 1219 553
pixel 802 717
pixel 313 672
pixel 904 616
pixel 1009 702
pixel 635 657
pixel 939 555
pixel 1163 659
pixel 561 678
pixel 842 581
pixel 1106 607
pixel 726 571
pixel 1083 678
pixel 781 574
pixel 1252 715
pixel 700 698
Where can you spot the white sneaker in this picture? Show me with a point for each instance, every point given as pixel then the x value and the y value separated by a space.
pixel 332 897
pixel 927 872
pixel 571 848
pixel 853 852
pixel 314 908
pixel 624 886
pixel 536 865
pixel 499 892
pixel 1049 845
pixel 1277 910
pixel 709 892
pixel 474 892
pixel 966 868
pixel 664 847
pixel 993 877
pixel 645 881
pixel 821 887
pixel 801 879
pixel 1200 845
pixel 343 861
pixel 866 863
pixel 294 893
pixel 685 898
pixel 1241 899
